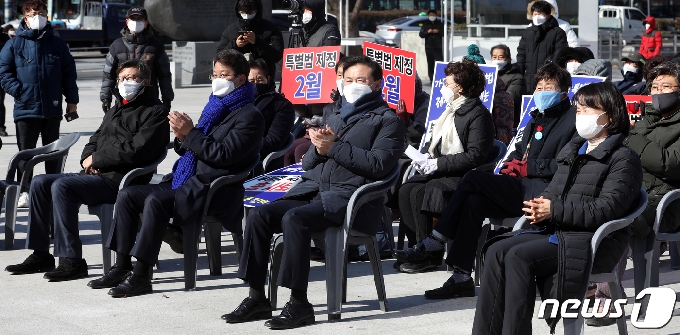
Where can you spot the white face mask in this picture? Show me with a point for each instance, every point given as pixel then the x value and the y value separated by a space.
pixel 128 89
pixel 354 91
pixel 572 66
pixel 222 87
pixel 501 63
pixel 135 26
pixel 647 25
pixel 587 127
pixel 432 18
pixel 446 93
pixel 340 85
pixel 629 68
pixel 539 19
pixel 306 18
pixel 37 22
pixel 248 16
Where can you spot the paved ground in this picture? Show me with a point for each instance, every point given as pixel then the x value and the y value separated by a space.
pixel 31 305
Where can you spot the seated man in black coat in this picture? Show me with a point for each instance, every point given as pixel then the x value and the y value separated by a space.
pixel 361 143
pixel 526 173
pixel 134 133
pixel 225 141
pixel 277 111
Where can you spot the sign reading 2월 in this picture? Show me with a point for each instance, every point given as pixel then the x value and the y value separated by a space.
pixel 308 74
pixel 266 188
pixel 438 103
pixel 399 73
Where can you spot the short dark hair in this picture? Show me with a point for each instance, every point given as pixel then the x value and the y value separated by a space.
pixel 247 6
pixel 541 7
pixel 505 48
pixel 376 70
pixel 432 11
pixel 553 71
pixel 33 5
pixel 341 62
pixel 233 59
pixel 140 65
pixel 607 98
pixel 468 75
pixel 651 64
pixel 260 65
pixel 668 68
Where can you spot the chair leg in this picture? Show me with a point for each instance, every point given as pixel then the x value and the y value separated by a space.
pixel 573 326
pixel 615 290
pixel 344 278
pixel 335 258
pixel 654 276
pixel 274 267
pixel 238 244
pixel 374 256
pixel 213 246
pixel 639 263
pixel 674 251
pixel 192 236
pixel 11 200
pixel 105 219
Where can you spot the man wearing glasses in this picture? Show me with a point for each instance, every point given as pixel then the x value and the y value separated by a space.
pixel 37 68
pixel 133 134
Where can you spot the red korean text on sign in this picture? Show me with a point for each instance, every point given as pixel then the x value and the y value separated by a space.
pixel 399 73
pixel 308 74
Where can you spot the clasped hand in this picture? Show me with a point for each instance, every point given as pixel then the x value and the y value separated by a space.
pixel 537 210
pixel 426 166
pixel 322 139
pixel 181 124
pixel 87 166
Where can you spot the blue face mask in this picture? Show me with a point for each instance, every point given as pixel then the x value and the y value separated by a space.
pixel 547 99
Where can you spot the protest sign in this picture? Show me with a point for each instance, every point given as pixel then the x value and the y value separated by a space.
pixel 437 102
pixel 636 104
pixel 308 74
pixel 266 188
pixel 579 81
pixel 399 73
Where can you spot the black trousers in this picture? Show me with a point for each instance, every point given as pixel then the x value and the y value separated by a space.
pixel 157 204
pixel 479 195
pixel 508 292
pixel 3 111
pixel 28 131
pixel 297 219
pixel 56 198
pixel 433 55
pixel 416 224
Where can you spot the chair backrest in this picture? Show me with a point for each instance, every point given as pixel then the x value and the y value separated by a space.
pixel 490 165
pixel 134 173
pixel 367 193
pixel 276 154
pixel 55 150
pixel 230 179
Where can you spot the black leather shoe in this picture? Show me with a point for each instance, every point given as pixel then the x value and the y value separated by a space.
pixel 397 265
pixel 293 315
pixel 32 265
pixel 174 237
pixel 3 133
pixel 418 254
pixel 600 322
pixel 452 289
pixel 67 271
pixel 249 310
pixel 113 278
pixel 132 285
pixel 426 266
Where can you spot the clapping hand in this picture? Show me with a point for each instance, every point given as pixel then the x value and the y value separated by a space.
pixel 322 139
pixel 181 124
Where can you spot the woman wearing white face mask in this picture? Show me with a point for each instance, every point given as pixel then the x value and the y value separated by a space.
pixel 459 140
pixel 511 75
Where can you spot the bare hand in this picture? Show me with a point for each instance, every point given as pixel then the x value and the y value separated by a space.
pixel 241 41
pixel 87 164
pixel 537 210
pixel 429 31
pixel 181 124
pixel 322 139
pixel 250 37
pixel 435 31
pixel 71 108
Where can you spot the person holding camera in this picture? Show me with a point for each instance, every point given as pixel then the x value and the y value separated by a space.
pixel 253 35
pixel 138 42
pixel 37 68
pixel 141 120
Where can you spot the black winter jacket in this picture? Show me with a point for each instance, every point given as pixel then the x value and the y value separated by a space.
pixel 416 126
pixel 279 117
pixel 130 136
pixel 368 148
pixel 268 39
pixel 512 76
pixel 142 46
pixel 432 41
pixel 559 126
pixel 537 43
pixel 630 83
pixel 318 32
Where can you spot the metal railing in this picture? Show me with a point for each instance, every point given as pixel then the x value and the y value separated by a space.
pixel 610 45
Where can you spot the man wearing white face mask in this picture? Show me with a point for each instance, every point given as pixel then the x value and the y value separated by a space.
pixel 632 74
pixel 138 42
pixel 433 33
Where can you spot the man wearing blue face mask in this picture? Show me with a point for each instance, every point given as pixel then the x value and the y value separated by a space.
pixel 526 173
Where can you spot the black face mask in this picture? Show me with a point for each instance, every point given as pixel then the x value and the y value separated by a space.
pixel 666 102
pixel 261 89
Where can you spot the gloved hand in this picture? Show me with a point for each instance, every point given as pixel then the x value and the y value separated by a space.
pixel 167 104
pixel 515 168
pixel 335 95
pixel 106 105
pixel 427 166
pixel 402 113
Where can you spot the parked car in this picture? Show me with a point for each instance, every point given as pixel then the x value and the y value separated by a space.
pixel 391 31
pixel 627 20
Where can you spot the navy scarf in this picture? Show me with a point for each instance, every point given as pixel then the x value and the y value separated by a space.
pixel 366 103
pixel 213 113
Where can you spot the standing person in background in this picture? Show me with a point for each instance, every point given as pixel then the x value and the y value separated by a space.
pixel 138 42
pixel 572 39
pixel 511 75
pixel 318 31
pixel 4 38
pixel 432 32
pixel 38 86
pixel 651 42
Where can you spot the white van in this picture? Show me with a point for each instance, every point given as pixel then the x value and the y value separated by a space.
pixel 626 19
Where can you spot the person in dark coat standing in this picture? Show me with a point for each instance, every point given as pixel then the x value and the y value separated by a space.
pixel 37 69
pixel 137 42
pixel 461 140
pixel 360 144
pixel 598 179
pixel 512 77
pixel 4 38
pixel 225 141
pixel 133 134
pixel 433 33
pixel 526 173
pixel 277 111
pixel 632 74
pixel 317 31
pixel 539 41
pixel 252 34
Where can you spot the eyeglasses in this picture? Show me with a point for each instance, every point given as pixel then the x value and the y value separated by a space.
pixel 662 87
pixel 129 77
pixel 221 76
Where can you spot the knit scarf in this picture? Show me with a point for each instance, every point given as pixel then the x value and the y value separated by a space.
pixel 445 130
pixel 213 113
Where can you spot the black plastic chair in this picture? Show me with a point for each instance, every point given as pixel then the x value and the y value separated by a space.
pixel 276 154
pixel 57 150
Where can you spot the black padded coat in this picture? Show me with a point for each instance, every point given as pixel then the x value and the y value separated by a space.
pixel 537 43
